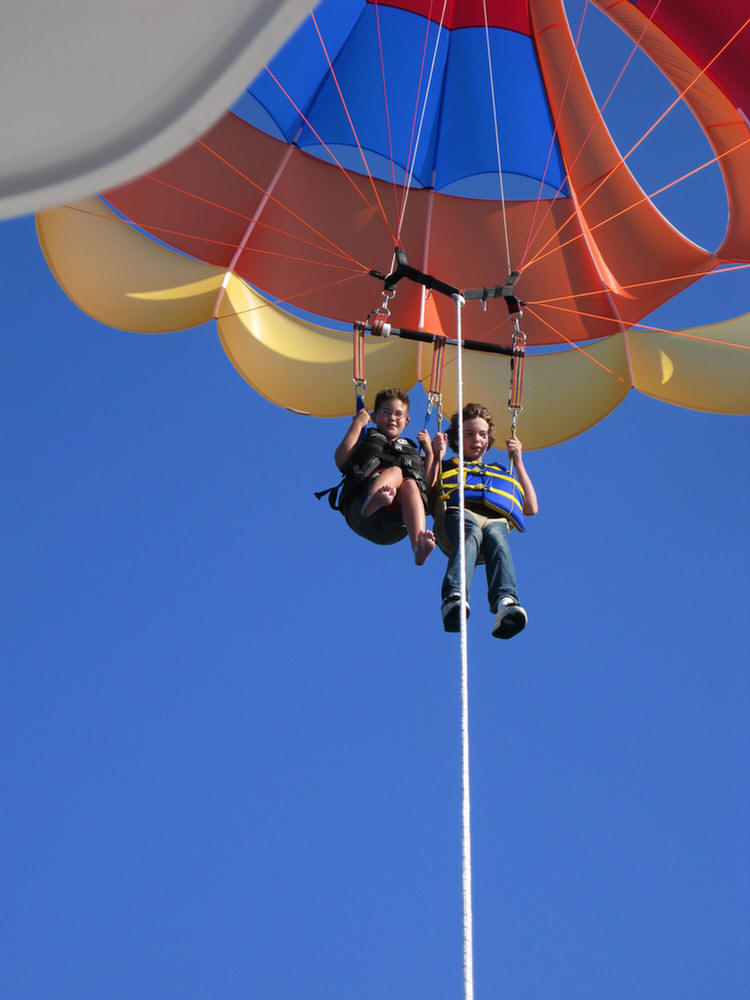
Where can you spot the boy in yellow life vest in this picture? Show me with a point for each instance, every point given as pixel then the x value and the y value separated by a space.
pixel 495 502
pixel 384 496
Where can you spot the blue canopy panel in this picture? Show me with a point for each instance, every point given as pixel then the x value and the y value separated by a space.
pixel 301 67
pixel 456 152
pixel 466 145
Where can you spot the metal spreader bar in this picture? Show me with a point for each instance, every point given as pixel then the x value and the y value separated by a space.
pixel 379 328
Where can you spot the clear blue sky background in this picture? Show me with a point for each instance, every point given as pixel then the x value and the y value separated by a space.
pixel 231 745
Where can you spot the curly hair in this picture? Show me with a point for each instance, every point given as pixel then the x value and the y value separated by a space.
pixel 385 394
pixel 470 411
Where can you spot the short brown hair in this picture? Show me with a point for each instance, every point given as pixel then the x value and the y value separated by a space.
pixel 470 411
pixel 385 394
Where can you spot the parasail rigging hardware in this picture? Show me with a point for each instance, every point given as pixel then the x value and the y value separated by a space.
pixel 405 270
pixel 377 325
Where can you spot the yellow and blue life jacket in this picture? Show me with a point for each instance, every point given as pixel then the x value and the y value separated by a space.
pixel 488 488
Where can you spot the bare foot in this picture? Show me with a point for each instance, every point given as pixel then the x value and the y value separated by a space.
pixel 380 497
pixel 424 544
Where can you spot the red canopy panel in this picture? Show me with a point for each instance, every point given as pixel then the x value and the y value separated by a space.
pixel 702 29
pixel 512 14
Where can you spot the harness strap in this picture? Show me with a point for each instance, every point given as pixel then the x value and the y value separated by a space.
pixel 515 398
pixel 360 382
pixel 333 495
pixel 435 392
pixel 518 357
pixel 436 373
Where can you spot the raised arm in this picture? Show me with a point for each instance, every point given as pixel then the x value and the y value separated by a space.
pixel 434 451
pixel 431 458
pixel 515 453
pixel 350 440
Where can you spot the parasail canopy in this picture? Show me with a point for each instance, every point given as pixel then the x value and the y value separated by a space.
pixel 477 148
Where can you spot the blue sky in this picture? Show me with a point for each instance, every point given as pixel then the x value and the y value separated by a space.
pixel 231 744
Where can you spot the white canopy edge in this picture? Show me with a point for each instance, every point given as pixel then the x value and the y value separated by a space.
pixel 98 91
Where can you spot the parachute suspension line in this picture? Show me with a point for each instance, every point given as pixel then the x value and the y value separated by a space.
pixel 625 157
pixel 435 392
pixel 358 374
pixel 531 233
pixel 386 110
pixel 577 347
pixel 629 208
pixel 323 143
pixel 497 136
pixel 517 360
pixel 436 374
pixel 351 124
pixel 466 798
pixel 569 167
pixel 377 324
pixel 334 248
pixel 551 303
pixel 249 229
pixel 555 304
pixel 413 159
pixel 418 91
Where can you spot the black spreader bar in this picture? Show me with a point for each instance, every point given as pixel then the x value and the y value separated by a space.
pixel 380 329
pixel 405 270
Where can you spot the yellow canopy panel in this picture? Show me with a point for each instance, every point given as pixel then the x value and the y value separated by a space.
pixel 123 279
pixel 299 365
pixel 706 368
pixel 564 393
pixel 120 277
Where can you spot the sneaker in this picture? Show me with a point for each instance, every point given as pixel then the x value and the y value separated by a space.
pixel 510 618
pixel 451 611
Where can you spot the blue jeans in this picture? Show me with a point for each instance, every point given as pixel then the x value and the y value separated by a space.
pixel 485 536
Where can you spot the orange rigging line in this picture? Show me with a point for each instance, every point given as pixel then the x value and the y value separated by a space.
pixel 623 211
pixel 532 236
pixel 290 299
pixel 709 272
pixel 320 139
pixel 497 137
pixel 404 188
pixel 334 252
pixel 351 125
pixel 642 284
pixel 399 209
pixel 647 327
pixel 413 153
pixel 701 73
pixel 338 250
pixel 573 344
pixel 692 336
pixel 537 204
pixel 124 220
pixel 386 109
pixel 646 197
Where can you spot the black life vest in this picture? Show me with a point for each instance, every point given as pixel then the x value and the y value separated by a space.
pixel 373 453
pixel 376 452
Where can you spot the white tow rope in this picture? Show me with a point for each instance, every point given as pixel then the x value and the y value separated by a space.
pixel 466 799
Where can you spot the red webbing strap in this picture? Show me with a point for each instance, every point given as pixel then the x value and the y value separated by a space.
pixel 515 399
pixel 360 382
pixel 436 374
